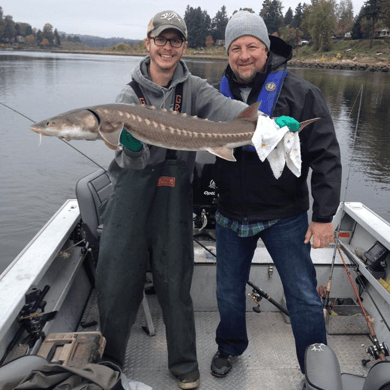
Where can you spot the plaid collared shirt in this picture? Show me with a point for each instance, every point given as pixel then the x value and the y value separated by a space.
pixel 243 229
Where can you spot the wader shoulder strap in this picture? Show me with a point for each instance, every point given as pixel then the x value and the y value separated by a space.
pixel 171 154
pixel 133 84
pixel 268 96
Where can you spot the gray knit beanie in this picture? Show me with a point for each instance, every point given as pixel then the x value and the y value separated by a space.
pixel 246 23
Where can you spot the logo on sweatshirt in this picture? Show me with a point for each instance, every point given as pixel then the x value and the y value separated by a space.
pixel 166 181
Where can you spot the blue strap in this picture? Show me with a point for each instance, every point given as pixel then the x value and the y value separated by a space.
pixel 224 88
pixel 268 96
pixel 270 92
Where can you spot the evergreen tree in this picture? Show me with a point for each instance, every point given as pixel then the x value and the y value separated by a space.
pixel 298 16
pixel 386 12
pixel 57 39
pixel 218 24
pixel 198 25
pixel 356 29
pixel 372 12
pixel 29 30
pixel 288 18
pixel 2 24
pixel 272 15
pixel 9 28
pixel 39 36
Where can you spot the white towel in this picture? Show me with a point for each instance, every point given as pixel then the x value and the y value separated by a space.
pixel 279 145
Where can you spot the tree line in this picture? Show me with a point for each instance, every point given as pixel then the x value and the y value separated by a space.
pixel 12 32
pixel 318 22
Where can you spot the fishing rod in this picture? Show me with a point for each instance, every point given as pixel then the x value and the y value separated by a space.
pixel 67 143
pixel 328 288
pixel 377 350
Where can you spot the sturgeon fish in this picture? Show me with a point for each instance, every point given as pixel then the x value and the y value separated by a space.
pixel 159 127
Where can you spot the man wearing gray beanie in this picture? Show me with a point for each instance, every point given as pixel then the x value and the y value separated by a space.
pixel 245 23
pixel 253 204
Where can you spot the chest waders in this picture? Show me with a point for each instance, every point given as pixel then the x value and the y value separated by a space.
pixel 148 219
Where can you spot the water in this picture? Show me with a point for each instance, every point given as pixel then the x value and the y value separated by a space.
pixel 36 180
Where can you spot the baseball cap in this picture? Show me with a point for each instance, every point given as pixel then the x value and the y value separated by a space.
pixel 166 20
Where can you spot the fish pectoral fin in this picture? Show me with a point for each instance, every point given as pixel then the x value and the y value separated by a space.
pixel 223 152
pixel 111 146
pixel 111 139
pixel 303 124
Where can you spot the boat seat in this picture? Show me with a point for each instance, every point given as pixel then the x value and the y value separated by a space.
pixel 322 372
pixel 91 191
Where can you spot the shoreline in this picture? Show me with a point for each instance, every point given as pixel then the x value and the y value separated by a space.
pixel 368 65
pixel 359 64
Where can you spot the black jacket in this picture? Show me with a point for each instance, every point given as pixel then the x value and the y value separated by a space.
pixel 247 188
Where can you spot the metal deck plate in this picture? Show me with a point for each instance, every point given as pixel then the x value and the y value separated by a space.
pixel 269 363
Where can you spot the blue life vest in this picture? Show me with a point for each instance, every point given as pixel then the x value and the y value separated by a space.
pixel 268 95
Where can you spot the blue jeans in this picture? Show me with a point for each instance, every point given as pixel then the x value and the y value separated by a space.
pixel 284 242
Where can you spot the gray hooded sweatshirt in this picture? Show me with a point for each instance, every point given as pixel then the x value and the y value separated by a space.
pixel 199 98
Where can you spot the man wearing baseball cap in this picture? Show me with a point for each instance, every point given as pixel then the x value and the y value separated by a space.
pixel 254 203
pixel 148 220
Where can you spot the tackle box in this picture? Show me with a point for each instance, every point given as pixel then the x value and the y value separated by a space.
pixel 73 349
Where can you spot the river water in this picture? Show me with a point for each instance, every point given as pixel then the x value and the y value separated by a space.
pixel 36 179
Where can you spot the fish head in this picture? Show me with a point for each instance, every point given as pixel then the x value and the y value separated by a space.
pixel 76 124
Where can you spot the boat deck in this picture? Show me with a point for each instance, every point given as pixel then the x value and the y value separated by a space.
pixel 269 363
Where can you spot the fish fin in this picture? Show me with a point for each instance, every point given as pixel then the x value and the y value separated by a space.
pixel 223 152
pixel 303 124
pixel 112 139
pixel 250 113
pixel 111 146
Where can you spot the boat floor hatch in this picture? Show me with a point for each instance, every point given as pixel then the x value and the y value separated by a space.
pixel 269 363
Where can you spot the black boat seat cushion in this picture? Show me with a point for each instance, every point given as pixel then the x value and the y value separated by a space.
pixel 91 192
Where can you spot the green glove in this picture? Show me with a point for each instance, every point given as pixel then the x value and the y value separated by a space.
pixel 291 123
pixel 129 142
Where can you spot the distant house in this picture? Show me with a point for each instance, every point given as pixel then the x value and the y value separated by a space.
pixel 20 39
pixel 382 33
pixel 385 33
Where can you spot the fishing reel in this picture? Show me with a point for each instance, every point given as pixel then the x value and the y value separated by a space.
pixel 256 298
pixel 378 349
pixel 32 316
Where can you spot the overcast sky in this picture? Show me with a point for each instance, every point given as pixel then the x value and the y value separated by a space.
pixel 118 18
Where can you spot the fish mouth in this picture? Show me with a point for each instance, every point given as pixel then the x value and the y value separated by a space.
pixel 36 129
